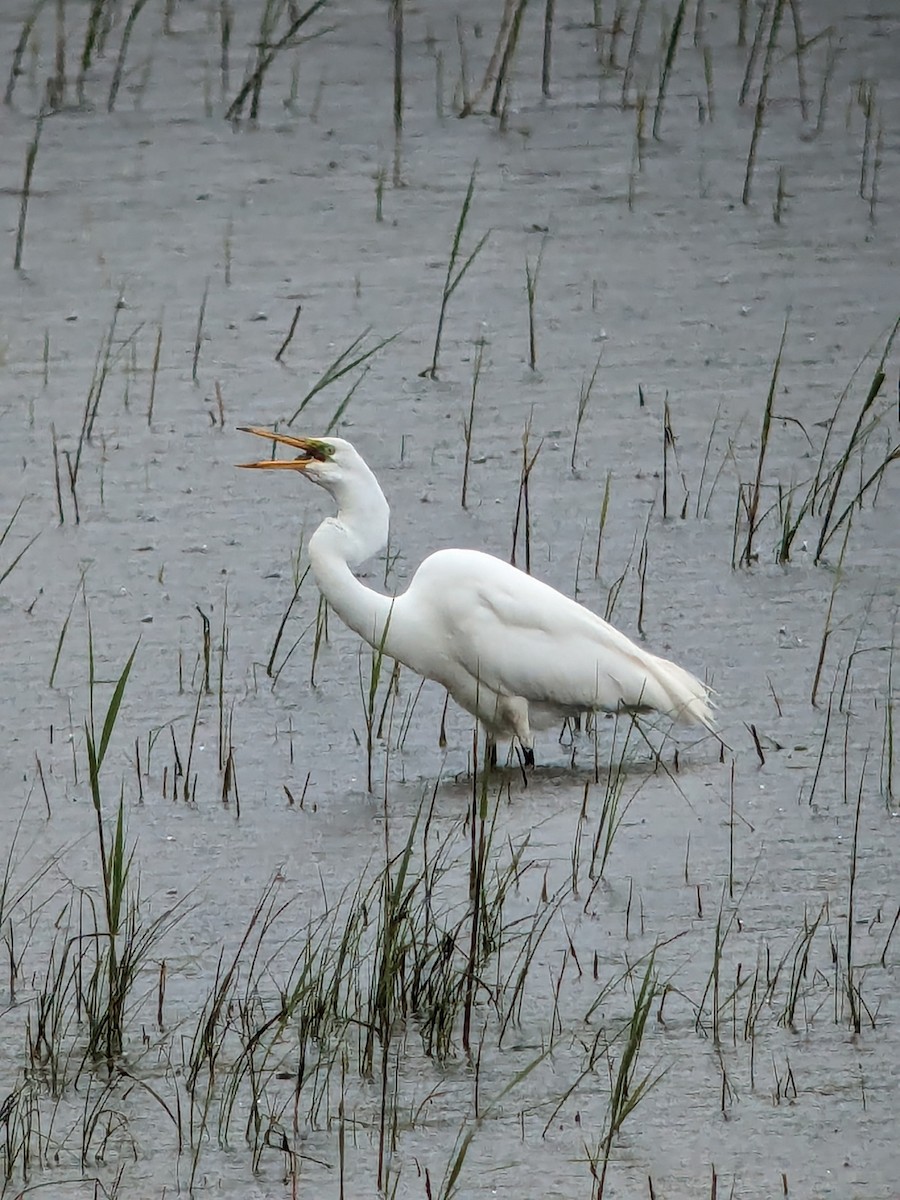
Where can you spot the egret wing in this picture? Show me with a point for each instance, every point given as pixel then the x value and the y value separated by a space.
pixel 519 637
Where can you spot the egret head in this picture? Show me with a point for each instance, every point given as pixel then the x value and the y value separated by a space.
pixel 325 461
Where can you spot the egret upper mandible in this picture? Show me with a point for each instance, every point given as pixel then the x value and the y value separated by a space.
pixel 511 650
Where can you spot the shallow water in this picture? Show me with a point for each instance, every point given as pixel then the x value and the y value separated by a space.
pixel 719 857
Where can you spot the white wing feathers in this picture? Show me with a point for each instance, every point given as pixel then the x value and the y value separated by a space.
pixel 519 637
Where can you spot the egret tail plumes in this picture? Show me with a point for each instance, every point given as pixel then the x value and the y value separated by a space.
pixel 509 649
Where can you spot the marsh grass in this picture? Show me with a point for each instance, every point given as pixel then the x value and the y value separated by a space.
pixel 25 35
pixel 888 741
pixel 6 571
pixel 831 58
pixel 470 1129
pixel 601 522
pixel 858 1009
pixel 547 51
pixel 271 670
pixel 584 397
pixel 369 697
pixel 612 808
pixel 762 98
pixel 348 360
pixel 396 21
pixel 627 1087
pixel 133 14
pixel 633 48
pixel 753 500
pixel 198 335
pixel 522 518
pixel 667 67
pixel 532 274
pixel 267 50
pixel 406 948
pixel 65 626
pixel 469 421
pixel 501 94
pixel 115 864
pixel 455 273
pixel 670 448
pixel 819 497
pixel 25 194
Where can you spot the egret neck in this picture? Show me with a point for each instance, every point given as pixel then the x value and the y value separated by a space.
pixel 357 533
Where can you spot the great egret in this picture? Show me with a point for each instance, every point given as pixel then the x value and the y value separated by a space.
pixel 509 649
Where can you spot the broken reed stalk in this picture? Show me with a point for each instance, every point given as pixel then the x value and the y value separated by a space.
pixel 830 61
pixel 468 103
pixel 454 277
pixel 876 171
pixel 30 156
pixel 465 102
pixel 56 85
pixel 742 23
pixel 531 282
pixel 397 30
pixel 59 501
pixel 507 60
pixel 633 48
pixel 753 56
pixel 469 422
pixel 290 333
pixel 667 69
pixel 699 22
pixel 669 443
pixel 547 55
pixel 226 23
pixel 154 373
pixel 799 50
pixel 226 248
pixel 616 29
pixel 668 438
pixel 762 100
pixel 253 83
pixel 753 503
pixel 867 99
pixel 439 85
pixel 15 69
pixel 123 51
pixel 780 194
pixel 91 39
pixel 198 336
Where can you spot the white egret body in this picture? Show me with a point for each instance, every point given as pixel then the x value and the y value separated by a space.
pixel 509 649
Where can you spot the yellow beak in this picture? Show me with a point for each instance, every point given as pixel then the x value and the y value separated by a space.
pixel 305 445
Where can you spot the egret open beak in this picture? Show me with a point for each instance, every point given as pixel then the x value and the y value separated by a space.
pixel 307 447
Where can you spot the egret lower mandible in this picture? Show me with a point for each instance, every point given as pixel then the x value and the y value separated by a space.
pixel 512 651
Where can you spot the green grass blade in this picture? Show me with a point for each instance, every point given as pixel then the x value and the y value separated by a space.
pixel 113 711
